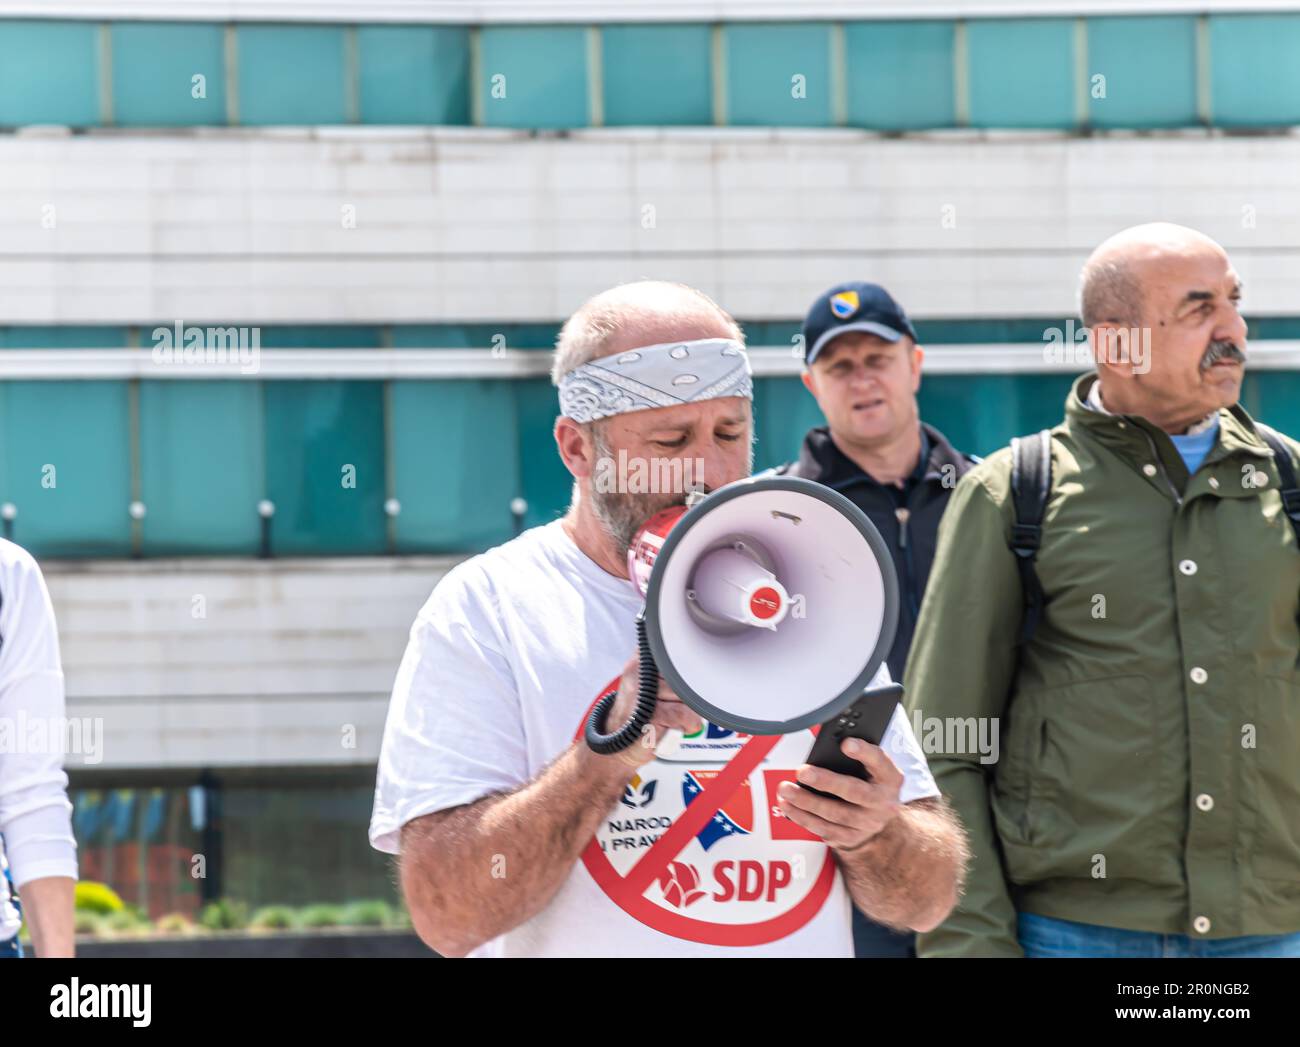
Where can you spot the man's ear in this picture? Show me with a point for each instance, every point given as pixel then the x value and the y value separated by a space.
pixel 807 378
pixel 1104 341
pixel 918 357
pixel 577 449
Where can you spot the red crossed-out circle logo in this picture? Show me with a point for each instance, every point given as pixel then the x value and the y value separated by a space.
pixel 663 867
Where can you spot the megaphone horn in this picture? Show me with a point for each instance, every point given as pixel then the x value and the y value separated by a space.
pixel 769 606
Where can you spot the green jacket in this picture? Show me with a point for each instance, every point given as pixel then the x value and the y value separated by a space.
pixel 1148 776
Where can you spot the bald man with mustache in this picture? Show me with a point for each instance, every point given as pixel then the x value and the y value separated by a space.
pixel 1137 642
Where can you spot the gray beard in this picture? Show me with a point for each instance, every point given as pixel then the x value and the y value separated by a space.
pixel 621 514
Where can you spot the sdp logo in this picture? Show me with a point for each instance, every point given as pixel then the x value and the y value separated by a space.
pixel 680 883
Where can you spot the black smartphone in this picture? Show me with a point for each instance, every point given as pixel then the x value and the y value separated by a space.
pixel 867 718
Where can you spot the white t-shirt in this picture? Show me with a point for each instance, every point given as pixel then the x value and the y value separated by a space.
pixel 504 662
pixel 35 815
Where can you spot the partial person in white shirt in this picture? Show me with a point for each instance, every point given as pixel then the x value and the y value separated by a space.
pixel 37 849
pixel 514 837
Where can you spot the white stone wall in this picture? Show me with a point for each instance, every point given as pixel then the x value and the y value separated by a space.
pixel 288 655
pixel 244 227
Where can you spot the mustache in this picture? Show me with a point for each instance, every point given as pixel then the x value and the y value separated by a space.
pixel 1222 350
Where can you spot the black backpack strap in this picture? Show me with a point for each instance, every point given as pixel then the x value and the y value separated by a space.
pixel 1286 470
pixel 1031 483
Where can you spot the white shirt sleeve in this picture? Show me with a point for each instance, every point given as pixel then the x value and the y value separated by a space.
pixel 901 746
pixel 35 815
pixel 454 731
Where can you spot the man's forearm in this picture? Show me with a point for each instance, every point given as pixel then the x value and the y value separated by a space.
pixel 48 911
pixel 474 872
pixel 909 875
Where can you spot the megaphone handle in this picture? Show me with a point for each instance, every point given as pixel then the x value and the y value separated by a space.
pixel 647 698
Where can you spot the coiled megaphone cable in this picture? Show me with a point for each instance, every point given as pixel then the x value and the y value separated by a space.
pixel 647 698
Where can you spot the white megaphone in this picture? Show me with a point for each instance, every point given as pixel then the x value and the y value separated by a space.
pixel 769 606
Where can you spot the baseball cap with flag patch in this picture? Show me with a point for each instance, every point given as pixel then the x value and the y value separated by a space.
pixel 854 306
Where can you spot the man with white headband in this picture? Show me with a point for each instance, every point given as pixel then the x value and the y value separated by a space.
pixel 515 838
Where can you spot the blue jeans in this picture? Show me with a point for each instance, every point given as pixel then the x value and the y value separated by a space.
pixel 1045 937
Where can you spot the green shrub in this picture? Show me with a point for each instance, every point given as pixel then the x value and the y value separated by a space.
pixel 174 923
pixel 274 918
pixel 224 915
pixel 369 913
pixel 97 898
pixel 321 916
pixel 124 924
pixel 84 922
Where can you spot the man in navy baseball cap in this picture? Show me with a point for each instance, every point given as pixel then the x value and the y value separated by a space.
pixel 863 366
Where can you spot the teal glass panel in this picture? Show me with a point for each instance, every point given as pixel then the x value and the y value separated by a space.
pixel 772 333
pixel 784 411
pixel 474 336
pixel 63 337
pixel 1022 72
pixel 778 75
pixel 534 76
pixel 900 75
pixel 455 463
pixel 155 66
pixel 1273 397
pixel 291 75
pixel 984 332
pixel 981 413
pixel 1272 327
pixel 1254 75
pixel 322 336
pixel 314 431
pixel 414 74
pixel 1149 66
pixel 65 463
pixel 657 74
pixel 49 73
pixel 547 484
pixel 201 466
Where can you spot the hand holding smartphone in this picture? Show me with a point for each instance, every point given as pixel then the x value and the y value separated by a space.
pixel 867 718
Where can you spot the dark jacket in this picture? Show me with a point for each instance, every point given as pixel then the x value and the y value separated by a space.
pixel 907 518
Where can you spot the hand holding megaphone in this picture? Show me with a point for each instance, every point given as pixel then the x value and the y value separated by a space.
pixel 672 718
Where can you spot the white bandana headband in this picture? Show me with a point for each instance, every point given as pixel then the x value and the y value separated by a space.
pixel 656 376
